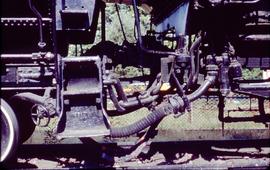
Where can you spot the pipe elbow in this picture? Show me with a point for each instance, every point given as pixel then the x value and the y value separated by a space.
pixel 30 97
pixel 209 81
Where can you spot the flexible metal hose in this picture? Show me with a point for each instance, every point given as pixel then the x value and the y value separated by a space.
pixel 160 112
pixel 141 124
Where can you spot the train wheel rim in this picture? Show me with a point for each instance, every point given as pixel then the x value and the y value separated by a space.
pixel 8 132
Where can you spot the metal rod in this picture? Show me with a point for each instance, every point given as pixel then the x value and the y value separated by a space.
pixel 103 22
pixel 178 85
pixel 29 65
pixel 192 74
pixel 41 43
pixel 136 101
pixel 242 2
pixel 16 56
pixel 81 59
pixel 221 106
pixel 120 91
pixel 24 88
pixel 120 20
pixel 137 22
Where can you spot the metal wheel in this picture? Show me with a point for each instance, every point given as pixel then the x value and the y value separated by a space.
pixel 23 113
pixel 40 115
pixel 9 131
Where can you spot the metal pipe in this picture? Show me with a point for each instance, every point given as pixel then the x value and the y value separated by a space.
pixel 59 85
pixel 22 58
pixel 80 59
pixel 41 43
pixel 241 2
pixel 152 87
pixel 118 87
pixel 24 88
pixel 114 100
pixel 16 58
pixel 178 85
pixel 194 46
pixel 156 89
pixel 156 85
pixel 122 106
pixel 120 21
pixel 28 65
pixel 137 21
pixel 120 90
pixel 133 102
pixel 195 77
pixel 210 80
pixel 126 103
pixel 103 22
pixel 159 52
pixel 30 97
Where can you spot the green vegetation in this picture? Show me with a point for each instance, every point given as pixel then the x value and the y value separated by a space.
pixel 255 73
pixel 113 27
pixel 130 71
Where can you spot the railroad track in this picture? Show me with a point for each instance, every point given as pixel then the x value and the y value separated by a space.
pixel 251 154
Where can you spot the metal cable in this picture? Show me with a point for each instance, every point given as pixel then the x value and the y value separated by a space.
pixel 121 24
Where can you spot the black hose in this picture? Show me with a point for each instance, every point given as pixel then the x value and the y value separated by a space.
pixel 150 119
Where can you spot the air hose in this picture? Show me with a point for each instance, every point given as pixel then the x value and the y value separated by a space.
pixel 164 109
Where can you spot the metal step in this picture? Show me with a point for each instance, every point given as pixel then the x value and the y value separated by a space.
pixel 82 110
pixel 82 86
pixel 84 121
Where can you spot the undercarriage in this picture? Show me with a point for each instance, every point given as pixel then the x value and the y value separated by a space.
pixel 211 42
